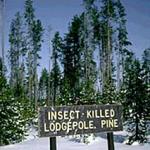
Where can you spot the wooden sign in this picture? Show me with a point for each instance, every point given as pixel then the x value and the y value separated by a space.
pixel 71 120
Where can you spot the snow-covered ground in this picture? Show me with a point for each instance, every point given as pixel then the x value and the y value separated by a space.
pixel 100 143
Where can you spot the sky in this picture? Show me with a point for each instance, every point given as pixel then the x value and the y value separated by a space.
pixel 58 13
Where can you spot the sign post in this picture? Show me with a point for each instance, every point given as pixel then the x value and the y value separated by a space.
pixel 110 140
pixel 72 120
pixel 53 143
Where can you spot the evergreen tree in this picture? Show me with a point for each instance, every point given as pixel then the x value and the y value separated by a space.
pixel 16 54
pixel 12 122
pixel 55 75
pixel 146 65
pixel 122 43
pixel 71 53
pixel 88 42
pixel 146 77
pixel 88 64
pixel 29 18
pixel 33 36
pixel 37 39
pixel 135 111
pixel 110 37
pixel 43 85
pixel 108 16
pixel 108 24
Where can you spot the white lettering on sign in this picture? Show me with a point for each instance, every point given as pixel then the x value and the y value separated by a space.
pixel 63 115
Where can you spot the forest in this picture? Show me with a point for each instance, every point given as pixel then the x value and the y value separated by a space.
pixel 90 64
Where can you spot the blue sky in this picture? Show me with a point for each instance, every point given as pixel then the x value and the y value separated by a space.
pixel 58 13
pixel 138 24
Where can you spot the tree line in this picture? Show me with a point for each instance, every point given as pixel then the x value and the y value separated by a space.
pixel 91 64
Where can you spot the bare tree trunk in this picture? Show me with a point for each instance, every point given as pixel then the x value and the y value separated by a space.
pixel 109 72
pixel 35 89
pixel 101 64
pixel 49 67
pixel 118 70
pixel 2 6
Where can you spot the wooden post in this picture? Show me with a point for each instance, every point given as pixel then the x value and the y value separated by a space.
pixel 110 140
pixel 53 139
pixel 53 143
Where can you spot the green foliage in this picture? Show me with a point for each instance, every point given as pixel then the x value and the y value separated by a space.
pixel 43 85
pixel 135 101
pixel 87 94
pixel 29 12
pixel 109 96
pixel 16 109
pixel 12 127
pixel 16 51
pixel 33 35
pixel 14 115
pixel 77 76
pixel 146 77
pixel 55 74
pixel 14 118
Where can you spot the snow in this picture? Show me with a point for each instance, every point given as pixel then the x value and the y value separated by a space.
pixel 31 134
pixel 66 143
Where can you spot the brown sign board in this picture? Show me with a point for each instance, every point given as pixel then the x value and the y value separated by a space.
pixel 72 120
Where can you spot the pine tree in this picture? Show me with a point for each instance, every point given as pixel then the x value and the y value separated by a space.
pixel 55 75
pixel 37 39
pixel 16 54
pixel 108 22
pixel 107 19
pixel 43 85
pixel 29 16
pixel 33 36
pixel 88 42
pixel 146 65
pixel 88 63
pixel 110 36
pixel 122 94
pixel 146 77
pixel 135 100
pixel 12 122
pixel 122 43
pixel 71 61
